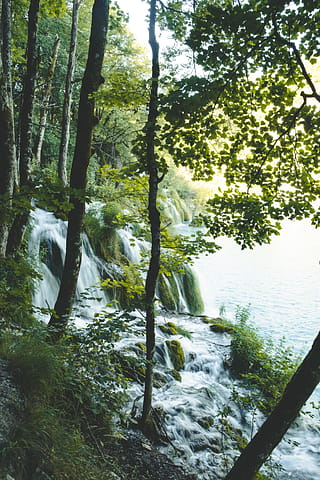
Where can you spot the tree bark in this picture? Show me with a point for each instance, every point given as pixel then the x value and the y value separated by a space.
pixel 45 102
pixel 7 136
pixel 297 392
pixel 25 157
pixel 65 125
pixel 154 220
pixel 78 178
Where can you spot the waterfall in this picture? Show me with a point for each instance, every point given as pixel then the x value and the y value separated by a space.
pixel 204 423
pixel 206 426
pixel 47 245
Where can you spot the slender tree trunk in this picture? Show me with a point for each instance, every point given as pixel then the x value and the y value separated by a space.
pixel 297 392
pixel 65 126
pixel 25 157
pixel 45 102
pixel 154 219
pixel 7 137
pixel 78 178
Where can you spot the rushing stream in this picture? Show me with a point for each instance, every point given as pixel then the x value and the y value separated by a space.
pixel 198 409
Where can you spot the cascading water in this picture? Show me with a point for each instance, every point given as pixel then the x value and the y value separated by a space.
pixel 47 248
pixel 205 425
pixel 198 410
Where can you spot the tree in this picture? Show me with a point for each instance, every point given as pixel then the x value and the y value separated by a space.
pixel 297 392
pixel 154 220
pixel 45 101
pixel 256 74
pixel 65 124
pixel 78 177
pixel 25 122
pixel 7 136
pixel 252 116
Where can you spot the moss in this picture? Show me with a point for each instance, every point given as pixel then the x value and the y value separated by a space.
pixel 131 367
pixel 141 346
pixel 159 379
pixel 192 292
pixel 168 292
pixel 176 375
pixel 219 325
pixel 169 328
pixel 221 328
pixel 176 354
pixel 104 240
pixel 206 422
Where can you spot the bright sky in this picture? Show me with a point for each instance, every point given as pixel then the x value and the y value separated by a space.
pixel 138 25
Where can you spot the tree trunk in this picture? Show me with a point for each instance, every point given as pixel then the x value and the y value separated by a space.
pixel 45 102
pixel 7 137
pixel 78 178
pixel 154 219
pixel 25 157
pixel 65 126
pixel 297 392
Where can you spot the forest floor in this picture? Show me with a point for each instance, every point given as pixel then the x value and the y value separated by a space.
pixel 128 457
pixel 138 458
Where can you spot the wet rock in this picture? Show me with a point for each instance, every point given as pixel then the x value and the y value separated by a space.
pixel 176 354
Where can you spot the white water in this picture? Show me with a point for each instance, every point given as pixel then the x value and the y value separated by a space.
pixel 49 235
pixel 206 385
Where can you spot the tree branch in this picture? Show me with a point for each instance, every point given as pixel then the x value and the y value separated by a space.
pixel 303 69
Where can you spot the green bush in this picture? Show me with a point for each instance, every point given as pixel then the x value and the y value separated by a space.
pixel 263 364
pixel 17 279
pixel 73 392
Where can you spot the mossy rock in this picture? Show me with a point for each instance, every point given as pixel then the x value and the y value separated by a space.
pixel 169 328
pixel 176 354
pixel 221 328
pixel 168 292
pixel 141 346
pixel 206 422
pixel 176 375
pixel 159 379
pixel 211 320
pixel 191 291
pixel 132 367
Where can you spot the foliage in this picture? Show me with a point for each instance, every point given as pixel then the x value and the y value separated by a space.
pixel 263 364
pixel 249 119
pixel 73 393
pixel 17 279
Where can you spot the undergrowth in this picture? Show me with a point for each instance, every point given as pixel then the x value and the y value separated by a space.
pixel 264 365
pixel 73 393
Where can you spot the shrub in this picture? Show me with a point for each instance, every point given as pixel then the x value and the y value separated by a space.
pixel 263 364
pixel 72 391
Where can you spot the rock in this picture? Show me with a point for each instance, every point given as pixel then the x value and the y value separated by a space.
pixel 176 354
pixel 221 328
pixel 169 328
